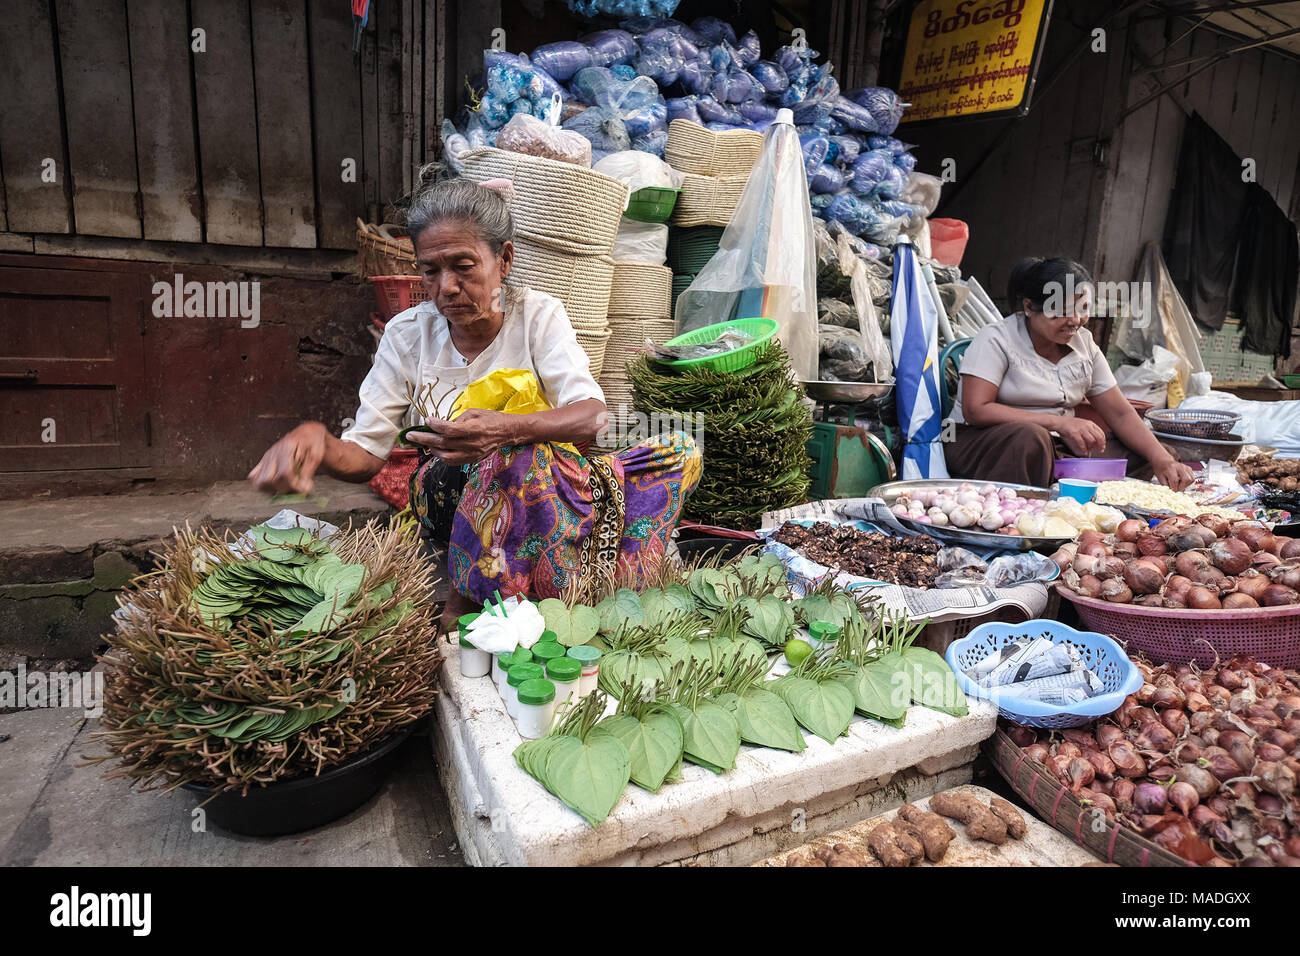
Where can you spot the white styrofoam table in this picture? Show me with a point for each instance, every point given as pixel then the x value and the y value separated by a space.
pixel 505 817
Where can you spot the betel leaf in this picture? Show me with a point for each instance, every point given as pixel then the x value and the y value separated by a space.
pixel 571 626
pixel 621 609
pixel 836 609
pixel 714 589
pixel 679 598
pixel 881 688
pixel 934 685
pixel 825 708
pixel 770 619
pixel 710 735
pixel 588 776
pixel 654 744
pixel 765 720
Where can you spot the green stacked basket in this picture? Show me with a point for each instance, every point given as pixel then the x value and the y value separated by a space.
pixel 689 250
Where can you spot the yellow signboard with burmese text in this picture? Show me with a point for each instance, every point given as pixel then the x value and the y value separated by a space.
pixel 970 57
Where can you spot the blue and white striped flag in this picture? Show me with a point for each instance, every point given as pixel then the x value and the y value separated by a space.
pixel 914 336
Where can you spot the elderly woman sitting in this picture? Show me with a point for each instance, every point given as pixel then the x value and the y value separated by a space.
pixel 519 508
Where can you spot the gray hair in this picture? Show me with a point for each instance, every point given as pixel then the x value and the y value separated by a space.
pixel 437 200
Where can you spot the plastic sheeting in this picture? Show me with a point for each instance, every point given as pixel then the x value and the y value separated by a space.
pixel 766 263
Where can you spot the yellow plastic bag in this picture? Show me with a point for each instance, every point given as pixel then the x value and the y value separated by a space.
pixel 515 391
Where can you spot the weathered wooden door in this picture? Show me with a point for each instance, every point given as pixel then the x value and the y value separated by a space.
pixel 72 388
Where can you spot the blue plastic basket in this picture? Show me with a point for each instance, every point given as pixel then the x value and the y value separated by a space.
pixel 1102 656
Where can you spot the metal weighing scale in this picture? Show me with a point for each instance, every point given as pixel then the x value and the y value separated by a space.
pixel 848 458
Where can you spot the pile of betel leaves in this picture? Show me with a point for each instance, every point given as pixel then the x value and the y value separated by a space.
pixel 755 433
pixel 688 662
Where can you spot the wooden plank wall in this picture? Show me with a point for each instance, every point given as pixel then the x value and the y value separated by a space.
pixel 242 144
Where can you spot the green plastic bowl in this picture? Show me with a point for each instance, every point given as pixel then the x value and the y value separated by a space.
pixel 1291 381
pixel 761 329
pixel 651 204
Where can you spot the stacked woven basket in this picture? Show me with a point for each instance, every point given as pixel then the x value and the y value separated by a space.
pixel 716 167
pixel 566 217
pixel 640 308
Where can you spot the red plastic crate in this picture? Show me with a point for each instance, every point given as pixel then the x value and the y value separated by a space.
pixel 398 293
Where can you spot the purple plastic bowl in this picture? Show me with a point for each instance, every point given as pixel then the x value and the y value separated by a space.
pixel 1092 469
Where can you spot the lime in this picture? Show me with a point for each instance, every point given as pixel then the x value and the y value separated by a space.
pixel 796 651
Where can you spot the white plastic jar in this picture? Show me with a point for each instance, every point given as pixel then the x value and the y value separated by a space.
pixel 589 657
pixel 517 675
pixel 566 674
pixel 503 662
pixel 535 707
pixel 473 662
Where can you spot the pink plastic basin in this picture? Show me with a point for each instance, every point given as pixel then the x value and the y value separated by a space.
pixel 1091 469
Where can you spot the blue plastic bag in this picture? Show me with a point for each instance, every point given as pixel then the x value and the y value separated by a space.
pixel 892 184
pixel 562 59
pixel 605 130
pixel 748 49
pixel 905 161
pixel 696 74
pixel 826 179
pixel 713 30
pixel 493 112
pixel 735 86
pixel 647 120
pixel 711 111
pixel 624 71
pixel 770 76
pixel 848 147
pixel 854 115
pixel 814 149
pixel 756 111
pixel 869 169
pixel 683 107
pixel 610 47
pixel 654 143
pixel 885 106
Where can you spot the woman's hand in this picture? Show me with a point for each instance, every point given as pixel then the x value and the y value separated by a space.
pixel 290 464
pixel 1172 472
pixel 1081 436
pixel 468 439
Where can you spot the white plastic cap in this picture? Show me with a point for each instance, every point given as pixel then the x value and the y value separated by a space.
pixel 785 116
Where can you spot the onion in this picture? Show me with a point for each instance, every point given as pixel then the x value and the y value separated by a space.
pixel 989 489
pixel 1185 540
pixel 1008 517
pixel 1080 773
pixel 1174 720
pixel 1252 584
pixel 1122 792
pixel 1231 556
pixel 937 517
pixel 1085 564
pixel 1266 751
pixel 1037 752
pixel 1108 734
pixel 1204 782
pixel 1142 577
pixel 1103 765
pixel 1171 525
pixel 1126 549
pixel 1183 796
pixel 1288 574
pixel 1216 524
pixel 1112 567
pixel 1150 600
pixel 1150 798
pixel 1238 601
pixel 1286 741
pixel 1220 764
pixel 1128 762
pixel 1202 599
pixel 1189 562
pixel 1116 591
pixel 1256 536
pixel 1149 543
pixel 1177 586
pixel 1129 529
pixel 1063 558
pixel 1090 537
pixel 1089 585
pixel 1214 579
pixel 1265 560
pixel 1279 595
pixel 1068 748
pixel 1155 736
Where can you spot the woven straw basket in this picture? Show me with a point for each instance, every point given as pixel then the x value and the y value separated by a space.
pixel 582 283
pixel 557 205
pixel 384 255
pixel 641 290
pixel 708 200
pixel 627 338
pixel 693 149
pixel 594 342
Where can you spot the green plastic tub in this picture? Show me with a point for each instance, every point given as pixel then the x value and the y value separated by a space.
pixel 651 204
pixel 761 329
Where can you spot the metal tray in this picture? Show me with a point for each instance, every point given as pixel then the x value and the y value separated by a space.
pixel 964 536
pixel 845 391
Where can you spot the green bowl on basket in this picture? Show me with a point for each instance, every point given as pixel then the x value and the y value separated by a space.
pixel 1291 381
pixel 651 204
pixel 761 329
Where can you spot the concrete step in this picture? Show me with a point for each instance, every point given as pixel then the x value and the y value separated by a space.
pixel 63 561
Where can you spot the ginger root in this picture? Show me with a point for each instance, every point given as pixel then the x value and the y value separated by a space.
pixel 892 847
pixel 798 859
pixel 1009 815
pixel 981 822
pixel 934 834
pixel 846 855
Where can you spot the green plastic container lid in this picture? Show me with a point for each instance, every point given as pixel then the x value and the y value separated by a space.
pixel 520 655
pixel 544 651
pixel 464 620
pixel 564 669
pixel 522 672
pixel 585 653
pixel 536 691
pixel 824 631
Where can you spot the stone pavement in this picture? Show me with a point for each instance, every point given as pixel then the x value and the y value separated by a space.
pixel 57 811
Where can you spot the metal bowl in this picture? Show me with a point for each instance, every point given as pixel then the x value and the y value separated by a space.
pixel 965 537
pixel 846 391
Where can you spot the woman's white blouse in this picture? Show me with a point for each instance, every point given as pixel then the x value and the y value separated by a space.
pixel 416 348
